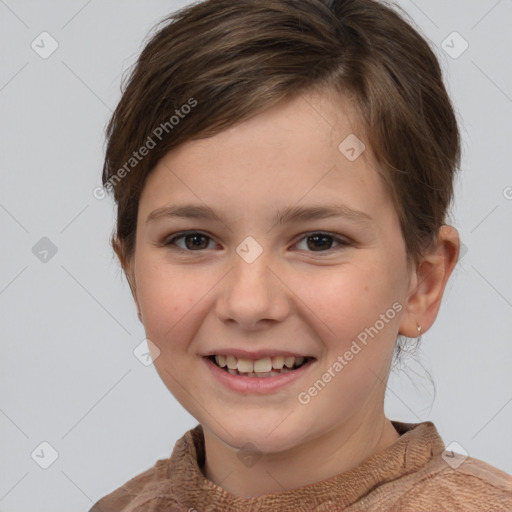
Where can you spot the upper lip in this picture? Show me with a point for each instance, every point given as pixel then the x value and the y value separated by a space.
pixel 253 355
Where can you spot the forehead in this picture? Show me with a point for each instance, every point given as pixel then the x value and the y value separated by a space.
pixel 308 149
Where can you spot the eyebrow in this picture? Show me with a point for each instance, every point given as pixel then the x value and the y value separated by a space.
pixel 288 214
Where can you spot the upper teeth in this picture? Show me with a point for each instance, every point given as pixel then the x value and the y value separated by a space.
pixel 260 365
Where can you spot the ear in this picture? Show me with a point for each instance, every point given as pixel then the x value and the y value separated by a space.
pixel 127 266
pixel 428 283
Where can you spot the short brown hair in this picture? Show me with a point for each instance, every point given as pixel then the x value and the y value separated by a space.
pixel 234 59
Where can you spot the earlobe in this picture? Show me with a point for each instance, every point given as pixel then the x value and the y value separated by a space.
pixel 429 283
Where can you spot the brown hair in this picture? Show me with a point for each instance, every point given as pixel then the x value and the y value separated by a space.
pixel 226 61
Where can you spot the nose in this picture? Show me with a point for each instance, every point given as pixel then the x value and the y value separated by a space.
pixel 253 294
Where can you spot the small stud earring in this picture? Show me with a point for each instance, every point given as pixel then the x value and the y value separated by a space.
pixel 419 330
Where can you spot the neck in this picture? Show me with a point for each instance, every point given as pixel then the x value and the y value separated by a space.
pixel 334 452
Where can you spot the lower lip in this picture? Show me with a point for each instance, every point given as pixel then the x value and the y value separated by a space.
pixel 256 385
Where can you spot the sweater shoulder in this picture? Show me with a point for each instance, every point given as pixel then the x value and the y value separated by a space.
pixel 137 492
pixel 472 486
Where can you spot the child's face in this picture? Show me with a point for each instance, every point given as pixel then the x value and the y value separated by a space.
pixel 308 296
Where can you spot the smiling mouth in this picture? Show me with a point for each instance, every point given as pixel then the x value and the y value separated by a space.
pixel 273 368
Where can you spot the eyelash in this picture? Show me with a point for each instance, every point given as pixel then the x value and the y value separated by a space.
pixel 170 241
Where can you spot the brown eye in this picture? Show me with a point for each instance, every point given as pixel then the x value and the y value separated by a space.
pixel 193 241
pixel 320 242
pixel 323 242
pixel 196 241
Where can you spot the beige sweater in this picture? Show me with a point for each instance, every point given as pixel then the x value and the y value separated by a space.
pixel 414 474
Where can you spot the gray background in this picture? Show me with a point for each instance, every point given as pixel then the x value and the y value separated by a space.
pixel 69 376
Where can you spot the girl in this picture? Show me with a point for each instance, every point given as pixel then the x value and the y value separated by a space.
pixel 282 172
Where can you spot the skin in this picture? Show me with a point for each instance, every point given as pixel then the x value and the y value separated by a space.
pixel 294 296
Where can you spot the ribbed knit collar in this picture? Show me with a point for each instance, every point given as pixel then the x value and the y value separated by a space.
pixel 181 479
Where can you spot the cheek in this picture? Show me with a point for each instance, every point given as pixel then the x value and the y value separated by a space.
pixel 168 297
pixel 355 310
pixel 349 298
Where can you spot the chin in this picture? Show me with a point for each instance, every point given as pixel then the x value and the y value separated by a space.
pixel 260 436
